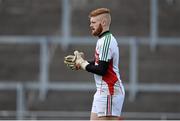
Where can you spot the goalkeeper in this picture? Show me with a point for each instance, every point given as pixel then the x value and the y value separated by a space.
pixel 109 97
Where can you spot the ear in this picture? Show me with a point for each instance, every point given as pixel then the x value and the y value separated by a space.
pixel 103 22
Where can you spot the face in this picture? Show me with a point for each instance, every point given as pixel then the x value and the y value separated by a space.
pixel 95 26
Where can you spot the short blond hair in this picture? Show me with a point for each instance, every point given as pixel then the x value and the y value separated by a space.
pixel 99 11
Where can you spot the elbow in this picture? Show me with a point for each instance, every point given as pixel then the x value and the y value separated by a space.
pixel 102 73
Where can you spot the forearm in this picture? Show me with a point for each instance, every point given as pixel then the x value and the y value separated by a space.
pixel 99 69
pixel 91 62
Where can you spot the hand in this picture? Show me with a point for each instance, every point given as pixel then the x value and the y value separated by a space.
pixel 79 61
pixel 70 62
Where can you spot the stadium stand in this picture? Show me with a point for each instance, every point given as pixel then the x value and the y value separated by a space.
pixel 20 62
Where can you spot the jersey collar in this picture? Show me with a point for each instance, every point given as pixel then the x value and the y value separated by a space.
pixel 103 34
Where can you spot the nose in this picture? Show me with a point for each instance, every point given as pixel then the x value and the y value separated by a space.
pixel 90 25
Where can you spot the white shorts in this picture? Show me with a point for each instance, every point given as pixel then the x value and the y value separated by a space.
pixel 107 105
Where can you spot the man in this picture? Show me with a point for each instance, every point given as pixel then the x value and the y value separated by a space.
pixel 109 97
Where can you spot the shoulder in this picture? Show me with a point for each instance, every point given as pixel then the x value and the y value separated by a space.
pixel 105 38
pixel 109 39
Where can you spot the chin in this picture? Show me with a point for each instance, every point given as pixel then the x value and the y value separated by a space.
pixel 93 33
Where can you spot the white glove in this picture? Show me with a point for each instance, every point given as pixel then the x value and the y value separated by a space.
pixel 70 61
pixel 79 61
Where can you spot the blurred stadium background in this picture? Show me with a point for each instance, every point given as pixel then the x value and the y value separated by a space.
pixel 35 35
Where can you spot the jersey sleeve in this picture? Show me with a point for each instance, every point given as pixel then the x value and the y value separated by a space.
pixel 105 50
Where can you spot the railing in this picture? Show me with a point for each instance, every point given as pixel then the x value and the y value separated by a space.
pixel 22 113
pixel 84 115
pixel 43 85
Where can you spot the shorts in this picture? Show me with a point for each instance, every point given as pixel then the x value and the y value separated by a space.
pixel 107 105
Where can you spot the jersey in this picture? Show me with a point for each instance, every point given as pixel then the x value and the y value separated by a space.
pixel 107 50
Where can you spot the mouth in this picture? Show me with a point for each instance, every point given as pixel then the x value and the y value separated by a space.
pixel 92 29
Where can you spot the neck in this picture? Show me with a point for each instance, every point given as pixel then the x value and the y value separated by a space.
pixel 103 33
pixel 105 29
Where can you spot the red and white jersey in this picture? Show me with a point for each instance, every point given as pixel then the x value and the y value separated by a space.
pixel 107 50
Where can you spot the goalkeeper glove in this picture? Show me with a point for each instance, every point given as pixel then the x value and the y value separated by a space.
pixel 79 61
pixel 70 61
